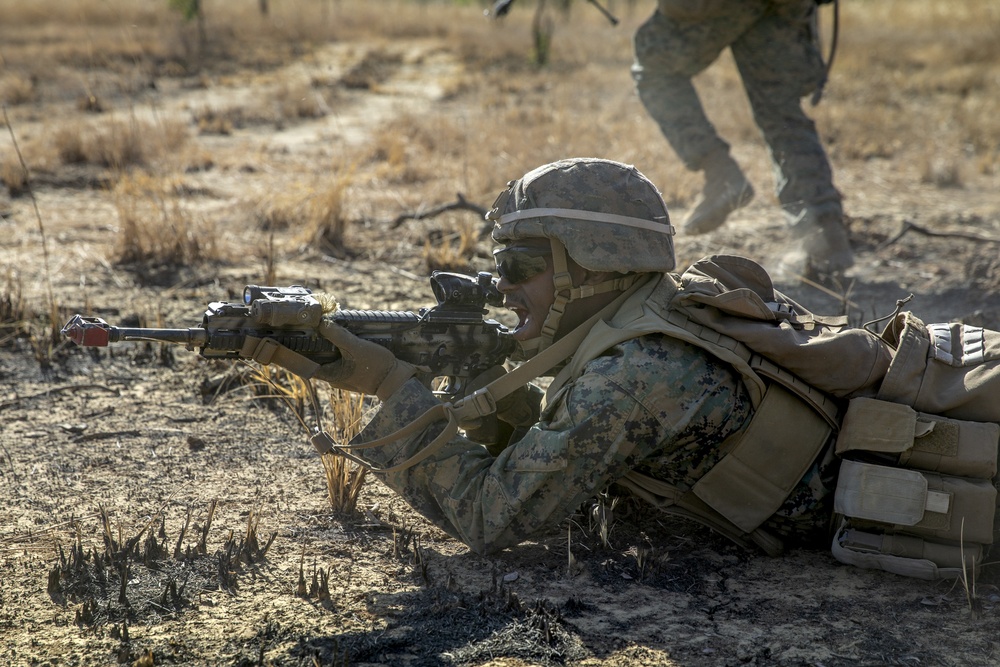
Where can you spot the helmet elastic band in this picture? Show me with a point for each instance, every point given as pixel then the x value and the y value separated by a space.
pixel 657 225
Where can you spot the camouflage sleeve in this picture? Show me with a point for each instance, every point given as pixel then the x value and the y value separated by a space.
pixel 646 400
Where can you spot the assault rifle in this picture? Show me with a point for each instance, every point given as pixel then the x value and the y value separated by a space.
pixel 452 340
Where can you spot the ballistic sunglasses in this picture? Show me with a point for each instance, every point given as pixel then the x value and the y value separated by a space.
pixel 518 264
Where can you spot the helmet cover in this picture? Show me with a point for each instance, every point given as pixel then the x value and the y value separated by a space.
pixel 608 215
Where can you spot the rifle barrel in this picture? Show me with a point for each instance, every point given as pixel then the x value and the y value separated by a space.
pixel 190 337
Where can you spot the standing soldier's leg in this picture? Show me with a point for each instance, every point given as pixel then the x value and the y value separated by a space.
pixel 780 63
pixel 668 53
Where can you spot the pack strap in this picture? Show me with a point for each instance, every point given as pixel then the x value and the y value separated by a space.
pixel 736 353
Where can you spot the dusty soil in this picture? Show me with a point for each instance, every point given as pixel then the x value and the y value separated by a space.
pixel 106 455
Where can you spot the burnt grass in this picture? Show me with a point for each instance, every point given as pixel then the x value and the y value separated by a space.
pixel 164 570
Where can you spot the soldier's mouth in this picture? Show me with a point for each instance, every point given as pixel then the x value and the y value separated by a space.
pixel 522 317
pixel 520 311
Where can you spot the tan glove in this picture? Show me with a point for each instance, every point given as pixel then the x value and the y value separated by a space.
pixel 364 366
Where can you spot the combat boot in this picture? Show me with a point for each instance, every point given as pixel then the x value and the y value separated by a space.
pixel 825 241
pixel 726 189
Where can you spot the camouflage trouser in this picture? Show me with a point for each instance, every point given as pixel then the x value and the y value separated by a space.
pixel 773 46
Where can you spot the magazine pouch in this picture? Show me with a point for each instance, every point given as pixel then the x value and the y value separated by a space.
pixel 915 494
pixel 899 435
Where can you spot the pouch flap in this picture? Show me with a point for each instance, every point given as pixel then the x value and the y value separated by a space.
pixel 954 447
pixel 775 451
pixel 735 285
pixel 889 495
pixel 877 426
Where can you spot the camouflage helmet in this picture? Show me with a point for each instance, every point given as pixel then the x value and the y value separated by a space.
pixel 608 215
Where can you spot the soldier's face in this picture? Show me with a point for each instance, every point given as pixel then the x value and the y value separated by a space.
pixel 531 296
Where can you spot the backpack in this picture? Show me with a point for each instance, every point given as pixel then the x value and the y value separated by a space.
pixel 912 413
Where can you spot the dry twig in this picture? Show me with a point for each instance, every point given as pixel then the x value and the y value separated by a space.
pixel 460 204
pixel 908 226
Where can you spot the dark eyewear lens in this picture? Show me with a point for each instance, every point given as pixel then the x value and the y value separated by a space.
pixel 517 264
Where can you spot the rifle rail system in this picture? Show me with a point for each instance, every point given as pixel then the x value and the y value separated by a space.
pixel 452 340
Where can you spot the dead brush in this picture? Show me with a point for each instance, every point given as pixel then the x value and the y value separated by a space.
pixel 154 226
pixel 15 314
pixel 43 345
pixel 344 478
pixel 326 225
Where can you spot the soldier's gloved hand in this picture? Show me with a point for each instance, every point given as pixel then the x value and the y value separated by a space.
pixel 364 366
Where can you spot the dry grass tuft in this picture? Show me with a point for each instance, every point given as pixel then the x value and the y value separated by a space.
pixel 344 479
pixel 15 314
pixel 155 228
pixel 17 89
pixel 12 176
pixel 120 144
pixel 69 145
pixel 297 100
pixel 941 172
pixel 325 225
pixel 315 212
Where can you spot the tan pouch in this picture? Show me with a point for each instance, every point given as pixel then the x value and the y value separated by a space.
pixel 917 503
pixel 916 440
pixel 907 555
pixel 776 450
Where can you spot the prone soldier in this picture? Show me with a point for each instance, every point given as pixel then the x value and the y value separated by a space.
pixel 708 394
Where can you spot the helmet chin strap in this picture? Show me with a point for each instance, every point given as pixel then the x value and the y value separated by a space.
pixel 565 293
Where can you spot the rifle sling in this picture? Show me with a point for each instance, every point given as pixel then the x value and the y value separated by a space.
pixel 483 401
pixel 269 351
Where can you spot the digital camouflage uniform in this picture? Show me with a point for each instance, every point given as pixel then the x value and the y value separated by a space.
pixel 707 394
pixel 652 403
pixel 774 49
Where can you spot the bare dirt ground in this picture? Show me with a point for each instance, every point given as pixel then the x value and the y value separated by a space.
pixel 106 456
